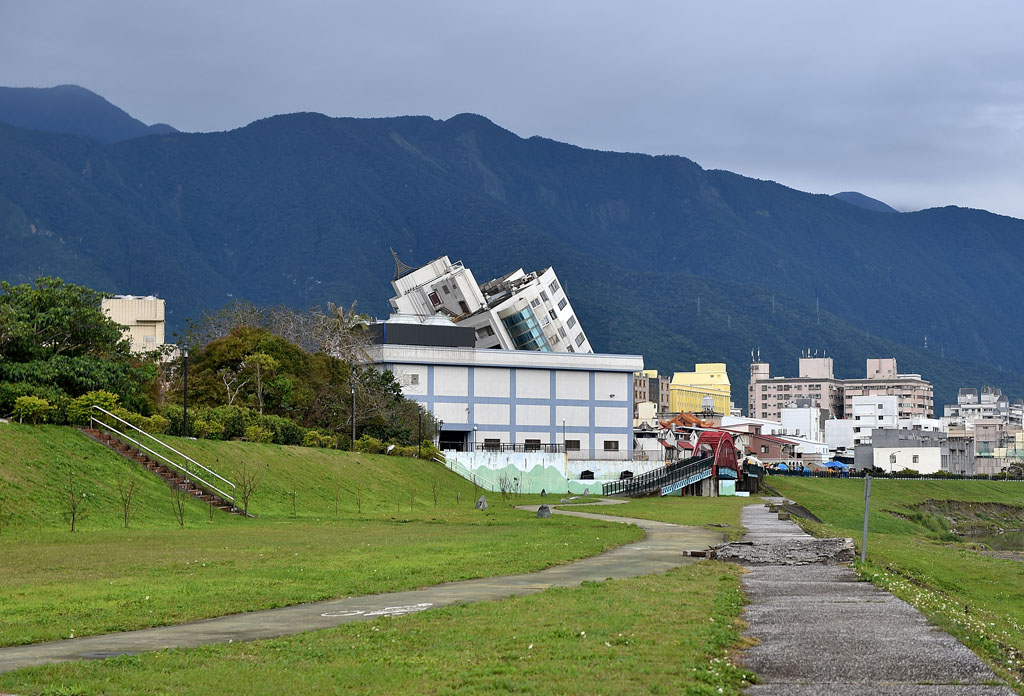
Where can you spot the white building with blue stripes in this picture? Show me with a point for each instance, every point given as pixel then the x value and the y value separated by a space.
pixel 533 401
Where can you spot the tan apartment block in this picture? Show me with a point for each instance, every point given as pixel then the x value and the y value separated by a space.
pixel 767 395
pixel 142 317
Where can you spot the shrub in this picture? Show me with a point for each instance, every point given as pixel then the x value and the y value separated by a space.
pixel 32 408
pixel 235 419
pixel 369 445
pixel 158 424
pixel 312 438
pixel 255 433
pixel 80 409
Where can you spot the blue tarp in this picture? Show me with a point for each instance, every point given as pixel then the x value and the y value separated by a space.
pixel 783 467
pixel 837 465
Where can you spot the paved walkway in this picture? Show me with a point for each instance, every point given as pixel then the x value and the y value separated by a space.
pixel 661 550
pixel 820 630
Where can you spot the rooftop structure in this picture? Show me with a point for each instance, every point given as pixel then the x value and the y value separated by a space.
pixel 689 391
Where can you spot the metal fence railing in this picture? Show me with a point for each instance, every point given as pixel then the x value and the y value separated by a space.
pixel 192 470
pixel 657 479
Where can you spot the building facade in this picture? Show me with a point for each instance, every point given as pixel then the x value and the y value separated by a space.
pixel 142 318
pixel 648 386
pixel 490 400
pixel 768 395
pixel 688 390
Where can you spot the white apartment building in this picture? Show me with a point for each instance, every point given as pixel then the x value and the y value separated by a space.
pixel 870 412
pixel 988 404
pixel 518 311
pixel 141 317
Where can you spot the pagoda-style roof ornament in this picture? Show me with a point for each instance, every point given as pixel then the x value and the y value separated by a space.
pixel 401 269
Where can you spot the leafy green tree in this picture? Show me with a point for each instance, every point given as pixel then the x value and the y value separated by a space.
pixel 262 368
pixel 55 336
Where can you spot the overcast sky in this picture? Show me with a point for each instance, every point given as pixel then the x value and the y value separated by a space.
pixel 918 104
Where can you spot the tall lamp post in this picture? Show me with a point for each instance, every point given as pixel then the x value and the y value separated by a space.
pixel 353 388
pixel 564 451
pixel 440 427
pixel 472 445
pixel 184 417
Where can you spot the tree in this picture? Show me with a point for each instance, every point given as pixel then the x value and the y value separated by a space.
pixel 248 479
pixel 233 382
pixel 73 499
pixel 126 490
pixel 54 335
pixel 262 368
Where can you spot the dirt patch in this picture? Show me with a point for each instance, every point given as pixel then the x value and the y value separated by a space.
pixel 963 518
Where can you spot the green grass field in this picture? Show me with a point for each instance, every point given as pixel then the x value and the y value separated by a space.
pixel 106 578
pixel 664 634
pixel 977 598
pixel 690 511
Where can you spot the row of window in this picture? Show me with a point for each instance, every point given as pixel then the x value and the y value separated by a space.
pixel 531 445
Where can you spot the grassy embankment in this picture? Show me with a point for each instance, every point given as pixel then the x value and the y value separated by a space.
pixel 362 524
pixel 677 638
pixel 977 598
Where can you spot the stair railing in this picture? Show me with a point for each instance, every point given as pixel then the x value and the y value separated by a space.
pixel 655 479
pixel 190 473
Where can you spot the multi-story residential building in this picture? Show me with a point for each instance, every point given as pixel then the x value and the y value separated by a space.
pixel 648 386
pixel 915 394
pixel 989 404
pixel 142 318
pixel 767 395
pixel 688 390
pixel 870 412
pixel 519 311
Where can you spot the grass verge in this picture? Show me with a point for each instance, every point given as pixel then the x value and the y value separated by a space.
pixel 670 633
pixel 721 514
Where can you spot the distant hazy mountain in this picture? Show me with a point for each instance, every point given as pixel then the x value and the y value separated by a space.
pixel 866 202
pixel 659 256
pixel 71 109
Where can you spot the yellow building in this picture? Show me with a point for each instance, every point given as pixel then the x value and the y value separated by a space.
pixel 688 389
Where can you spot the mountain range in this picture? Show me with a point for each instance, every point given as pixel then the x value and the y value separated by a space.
pixel 659 256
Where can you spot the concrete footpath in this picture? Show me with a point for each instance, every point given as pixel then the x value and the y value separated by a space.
pixel 820 630
pixel 662 549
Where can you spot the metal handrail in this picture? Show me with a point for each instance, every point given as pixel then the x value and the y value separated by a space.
pixel 174 464
pixel 655 479
pixel 468 474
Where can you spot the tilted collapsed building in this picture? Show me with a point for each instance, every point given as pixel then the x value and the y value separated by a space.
pixel 518 311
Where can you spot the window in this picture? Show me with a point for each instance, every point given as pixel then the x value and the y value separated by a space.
pixel 414 379
pixel 484 331
pixel 764 449
pixel 434 299
pixel 587 475
pixel 532 445
pixel 579 340
pixel 554 286
pixel 552 313
pixel 492 444
pixel 570 349
pixel 445 289
pixel 572 321
pixel 572 445
pixel 535 303
pixel 562 333
pixel 611 445
pixel 543 296
pixel 917 459
pixel 464 307
pixel 562 303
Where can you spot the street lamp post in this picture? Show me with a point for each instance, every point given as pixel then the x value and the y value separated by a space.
pixel 419 436
pixel 440 427
pixel 892 461
pixel 563 436
pixel 184 417
pixel 472 445
pixel 353 388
